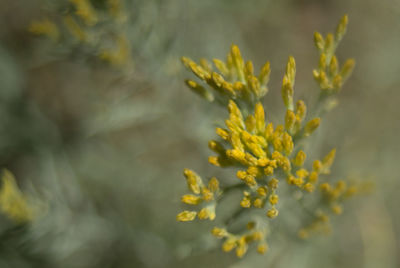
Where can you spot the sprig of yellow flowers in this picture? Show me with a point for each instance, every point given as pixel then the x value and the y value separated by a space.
pixel 263 154
pixel 80 23
pixel 13 203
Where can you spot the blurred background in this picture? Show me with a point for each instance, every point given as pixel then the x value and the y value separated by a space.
pixel 104 145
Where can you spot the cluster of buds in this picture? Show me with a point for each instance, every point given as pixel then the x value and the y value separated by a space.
pixel 255 233
pixel 264 155
pixel 203 195
pixel 329 76
pixel 79 25
pixel 13 203
pixel 232 80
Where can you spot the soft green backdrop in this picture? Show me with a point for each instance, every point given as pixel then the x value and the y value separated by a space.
pixel 106 149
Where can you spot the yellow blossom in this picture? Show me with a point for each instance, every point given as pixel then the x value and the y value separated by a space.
pixel 207 213
pixel 219 232
pixel 273 183
pixel 45 27
pixel 193 180
pixel 191 199
pixel 186 215
pixel 272 213
pixel 260 119
pixel 262 190
pixel 273 199
pixel 258 203
pixel 309 187
pixel 13 203
pixel 328 161
pixel 252 145
pixel 311 126
pixel 300 158
pixel 242 247
pixel 262 248
pixel 85 11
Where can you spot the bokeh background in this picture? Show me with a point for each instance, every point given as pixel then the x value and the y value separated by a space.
pixel 105 146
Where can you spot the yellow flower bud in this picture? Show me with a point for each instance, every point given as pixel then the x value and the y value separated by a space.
pixel 341 28
pixel 319 41
pixel 290 120
pixel 328 161
pixel 347 68
pixel 200 90
pixel 191 199
pixel 207 194
pixel 213 184
pixel 269 130
pixel 245 203
pixel 322 61
pixel 317 166
pixel 194 181
pixel 248 68
pixel 207 213
pixel 222 133
pixel 311 126
pixel 221 67
pixel 241 174
pixel 273 183
pixel 333 66
pixel 301 109
pixel 268 171
pixel 262 248
pixel 219 232
pixel 254 171
pixel 262 162
pixel 337 209
pixel 45 27
pixel 186 216
pixel 302 173
pixel 272 213
pixel 242 247
pixel 258 203
pixel 287 93
pixel 216 146
pixel 85 11
pixel 329 43
pixel 250 180
pixel 250 123
pixel 309 187
pixel 262 191
pixel 313 178
pixel 229 244
pixel 265 73
pixel 300 158
pixel 214 160
pixel 325 187
pixel 287 143
pixel 237 62
pixel 260 118
pixel 273 199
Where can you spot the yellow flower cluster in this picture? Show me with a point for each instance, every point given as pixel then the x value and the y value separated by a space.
pixel 240 243
pixel 81 21
pixel 45 27
pixel 264 155
pixel 320 224
pixel 13 203
pixel 332 197
pixel 233 79
pixel 329 75
pixel 85 10
pixel 201 195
